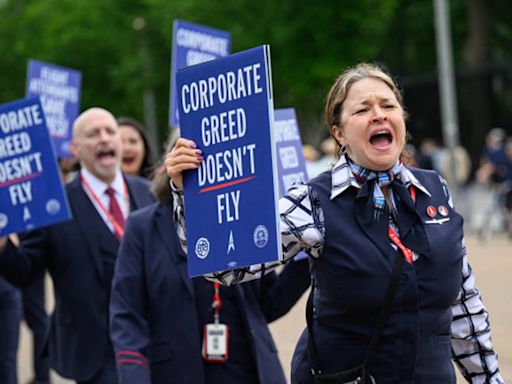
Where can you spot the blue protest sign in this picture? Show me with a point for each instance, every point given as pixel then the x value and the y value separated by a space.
pixel 230 201
pixel 291 166
pixel 30 186
pixel 193 44
pixel 59 90
pixel 290 159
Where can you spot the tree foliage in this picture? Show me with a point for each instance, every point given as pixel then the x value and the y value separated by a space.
pixel 123 47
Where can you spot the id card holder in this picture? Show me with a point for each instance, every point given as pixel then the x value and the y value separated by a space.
pixel 215 343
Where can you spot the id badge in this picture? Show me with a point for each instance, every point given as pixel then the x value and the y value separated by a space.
pixel 215 342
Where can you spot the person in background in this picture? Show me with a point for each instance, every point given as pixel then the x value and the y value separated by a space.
pixel 408 156
pixel 158 314
pixel 68 168
pixel 462 166
pixel 137 155
pixel 311 158
pixel 494 141
pixel 507 185
pixel 493 162
pixel 356 222
pixel 495 172
pixel 80 254
pixel 328 159
pixel 428 154
pixel 36 318
pixel 432 155
pixel 33 298
pixel 10 317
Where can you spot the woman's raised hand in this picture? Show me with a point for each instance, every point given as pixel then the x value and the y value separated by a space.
pixel 184 156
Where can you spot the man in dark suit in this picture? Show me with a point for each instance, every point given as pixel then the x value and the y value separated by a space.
pixel 36 319
pixel 80 254
pixel 10 316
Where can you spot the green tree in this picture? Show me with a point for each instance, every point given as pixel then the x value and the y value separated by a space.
pixel 123 48
pixel 310 43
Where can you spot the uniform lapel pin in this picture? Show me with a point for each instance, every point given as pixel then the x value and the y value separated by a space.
pixel 443 210
pixel 431 211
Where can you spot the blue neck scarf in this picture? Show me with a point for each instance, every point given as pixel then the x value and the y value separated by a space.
pixel 379 179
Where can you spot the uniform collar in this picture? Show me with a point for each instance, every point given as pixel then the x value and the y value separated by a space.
pixel 342 178
pixel 98 186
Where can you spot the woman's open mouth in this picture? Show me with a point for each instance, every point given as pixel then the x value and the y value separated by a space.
pixel 127 160
pixel 381 139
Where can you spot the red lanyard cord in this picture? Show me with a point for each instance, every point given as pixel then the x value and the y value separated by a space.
pixel 408 254
pixel 217 302
pixel 118 228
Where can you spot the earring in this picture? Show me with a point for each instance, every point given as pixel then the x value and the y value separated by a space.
pixel 343 150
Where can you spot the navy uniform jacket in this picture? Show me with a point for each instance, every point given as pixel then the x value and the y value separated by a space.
pixel 72 251
pixel 352 276
pixel 154 321
pixel 5 287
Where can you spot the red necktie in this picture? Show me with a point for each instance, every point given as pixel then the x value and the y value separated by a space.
pixel 115 212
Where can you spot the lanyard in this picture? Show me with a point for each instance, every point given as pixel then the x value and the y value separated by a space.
pixel 118 228
pixel 408 254
pixel 217 302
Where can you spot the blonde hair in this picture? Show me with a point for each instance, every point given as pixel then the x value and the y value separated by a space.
pixel 339 90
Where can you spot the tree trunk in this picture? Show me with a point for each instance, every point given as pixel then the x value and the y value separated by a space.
pixel 476 95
